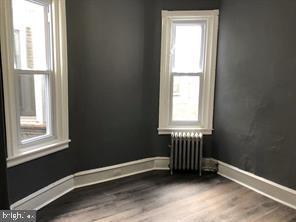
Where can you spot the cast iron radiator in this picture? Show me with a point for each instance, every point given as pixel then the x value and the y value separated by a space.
pixel 186 152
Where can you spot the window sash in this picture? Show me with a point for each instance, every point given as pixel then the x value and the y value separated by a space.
pixel 184 122
pixel 48 28
pixel 50 126
pixel 185 22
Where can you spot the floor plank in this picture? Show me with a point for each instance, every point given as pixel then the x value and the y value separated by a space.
pixel 158 196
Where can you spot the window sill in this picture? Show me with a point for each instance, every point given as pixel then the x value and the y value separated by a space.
pixel 37 153
pixel 167 131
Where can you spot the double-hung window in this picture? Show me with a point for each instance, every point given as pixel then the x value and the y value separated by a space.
pixel 34 60
pixel 188 60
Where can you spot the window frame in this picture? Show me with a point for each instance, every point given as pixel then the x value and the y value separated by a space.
pixel 59 86
pixel 26 144
pixel 206 106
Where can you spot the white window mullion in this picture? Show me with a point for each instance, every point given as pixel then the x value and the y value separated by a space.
pixel 187 74
pixel 31 72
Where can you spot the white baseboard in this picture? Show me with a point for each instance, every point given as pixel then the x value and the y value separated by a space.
pixel 260 185
pixel 46 195
pixel 90 177
pixel 161 163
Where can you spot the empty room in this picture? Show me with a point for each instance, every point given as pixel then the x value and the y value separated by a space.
pixel 148 110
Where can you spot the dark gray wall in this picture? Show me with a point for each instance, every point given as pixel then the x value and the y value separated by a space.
pixel 106 54
pixel 114 60
pixel 255 109
pixel 31 176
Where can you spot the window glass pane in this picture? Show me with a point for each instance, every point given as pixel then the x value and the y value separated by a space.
pixel 33 106
pixel 185 101
pixel 31 34
pixel 187 47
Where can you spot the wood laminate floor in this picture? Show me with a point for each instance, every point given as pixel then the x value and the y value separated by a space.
pixel 157 196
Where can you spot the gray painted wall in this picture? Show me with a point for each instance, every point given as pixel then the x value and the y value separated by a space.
pixel 106 57
pixel 255 109
pixel 114 60
pixel 31 176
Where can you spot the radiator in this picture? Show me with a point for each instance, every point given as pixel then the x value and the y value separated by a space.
pixel 186 152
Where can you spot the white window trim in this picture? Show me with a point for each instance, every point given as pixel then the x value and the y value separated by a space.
pixel 206 125
pixel 61 141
